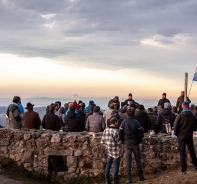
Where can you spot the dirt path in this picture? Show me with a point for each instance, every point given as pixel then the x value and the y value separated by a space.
pixel 6 180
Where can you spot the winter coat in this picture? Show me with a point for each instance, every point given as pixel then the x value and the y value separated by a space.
pixel 184 125
pixel 180 100
pixel 14 116
pixel 107 115
pixel 144 119
pixel 116 105
pixel 95 123
pixel 31 120
pixel 153 120
pixel 51 122
pixel 73 122
pixel 165 114
pixel 162 101
pixel 129 131
pixel 81 113
pixel 87 109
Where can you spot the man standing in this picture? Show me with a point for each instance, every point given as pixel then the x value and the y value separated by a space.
pixel 163 100
pixel 31 119
pixel 184 126
pixel 130 134
pixel 110 139
pixel 130 100
pixel 166 116
pixel 180 99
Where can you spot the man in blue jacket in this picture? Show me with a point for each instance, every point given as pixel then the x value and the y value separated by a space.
pixel 184 126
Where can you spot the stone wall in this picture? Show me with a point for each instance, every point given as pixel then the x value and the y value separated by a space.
pixel 83 153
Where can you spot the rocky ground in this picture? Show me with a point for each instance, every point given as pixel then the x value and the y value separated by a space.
pixel 166 177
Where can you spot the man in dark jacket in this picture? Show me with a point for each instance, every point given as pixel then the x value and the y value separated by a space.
pixel 166 116
pixel 31 119
pixel 163 100
pixel 130 135
pixel 73 121
pixel 184 126
pixel 95 122
pixel 130 101
pixel 80 111
pixel 143 118
pixel 153 119
pixel 180 99
pixel 50 120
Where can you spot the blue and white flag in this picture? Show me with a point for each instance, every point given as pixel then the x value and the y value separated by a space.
pixel 195 76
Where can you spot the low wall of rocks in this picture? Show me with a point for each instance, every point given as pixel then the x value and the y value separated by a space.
pixel 83 153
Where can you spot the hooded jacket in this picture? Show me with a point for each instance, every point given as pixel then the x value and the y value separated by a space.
pixel 165 114
pixel 144 120
pixel 14 116
pixel 51 122
pixel 73 122
pixel 87 109
pixel 184 125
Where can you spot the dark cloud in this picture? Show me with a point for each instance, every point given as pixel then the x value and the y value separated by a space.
pixel 98 33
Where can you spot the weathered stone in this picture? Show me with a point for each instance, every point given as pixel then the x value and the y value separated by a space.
pixel 27 136
pixel 71 161
pixel 6 133
pixel 56 138
pixel 28 156
pixel 15 157
pixel 72 169
pixel 78 153
pixel 46 136
pixel 3 150
pixel 97 164
pixel 18 135
pixel 4 142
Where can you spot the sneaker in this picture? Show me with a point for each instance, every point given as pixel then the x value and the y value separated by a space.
pixel 184 172
pixel 143 179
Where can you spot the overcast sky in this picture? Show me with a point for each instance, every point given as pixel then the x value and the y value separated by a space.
pixel 97 47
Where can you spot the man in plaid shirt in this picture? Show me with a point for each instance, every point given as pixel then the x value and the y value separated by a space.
pixel 110 139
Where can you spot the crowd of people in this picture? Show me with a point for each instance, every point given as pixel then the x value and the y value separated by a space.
pixel 123 122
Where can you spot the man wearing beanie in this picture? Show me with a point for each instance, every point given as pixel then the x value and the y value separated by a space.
pixel 184 126
pixel 163 100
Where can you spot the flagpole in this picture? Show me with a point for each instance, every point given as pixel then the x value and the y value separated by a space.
pixel 192 82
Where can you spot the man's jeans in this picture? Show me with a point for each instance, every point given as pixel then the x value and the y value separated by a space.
pixel 116 169
pixel 182 150
pixel 136 151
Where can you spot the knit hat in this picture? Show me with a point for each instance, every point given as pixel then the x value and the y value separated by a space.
pixel 75 104
pixel 167 105
pixel 186 103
